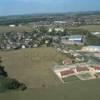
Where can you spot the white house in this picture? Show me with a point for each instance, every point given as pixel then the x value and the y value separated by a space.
pixel 56 29
pixel 60 22
pixel 59 29
pixel 97 69
pixel 12 25
pixel 50 30
pixel 23 46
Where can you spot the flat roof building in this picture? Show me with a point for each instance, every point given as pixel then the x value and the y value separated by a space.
pixel 91 49
pixel 75 37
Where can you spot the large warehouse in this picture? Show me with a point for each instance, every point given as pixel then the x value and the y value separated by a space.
pixel 91 49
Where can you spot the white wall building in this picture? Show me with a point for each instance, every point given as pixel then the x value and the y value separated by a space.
pixel 59 29
pixel 12 25
pixel 91 49
pixel 95 33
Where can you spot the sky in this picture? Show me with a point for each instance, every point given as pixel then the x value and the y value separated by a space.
pixel 17 7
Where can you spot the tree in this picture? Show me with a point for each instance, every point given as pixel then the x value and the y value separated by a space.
pixel 43 29
pixel 0 60
pixel 3 72
pixel 7 83
pixel 92 40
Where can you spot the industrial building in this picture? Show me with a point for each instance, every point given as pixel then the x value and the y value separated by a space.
pixel 91 49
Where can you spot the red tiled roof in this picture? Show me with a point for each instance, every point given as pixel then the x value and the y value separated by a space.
pixel 66 72
pixel 67 61
pixel 97 68
pixel 79 69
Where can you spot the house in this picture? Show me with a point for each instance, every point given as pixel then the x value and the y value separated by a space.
pixel 59 29
pixel 12 25
pixel 67 72
pixel 35 45
pixel 50 30
pixel 60 22
pixel 81 69
pixel 23 46
pixel 79 59
pixel 56 29
pixel 91 49
pixel 97 68
pixel 67 61
pixel 8 47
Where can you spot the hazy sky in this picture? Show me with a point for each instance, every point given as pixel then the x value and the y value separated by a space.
pixel 12 7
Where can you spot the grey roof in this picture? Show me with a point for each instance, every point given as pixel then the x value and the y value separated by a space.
pixel 75 36
pixel 93 46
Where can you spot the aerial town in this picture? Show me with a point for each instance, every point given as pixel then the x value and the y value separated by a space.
pixel 81 46
pixel 47 51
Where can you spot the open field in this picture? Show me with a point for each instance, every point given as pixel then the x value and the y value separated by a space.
pixel 91 28
pixel 70 79
pixel 32 66
pixel 15 29
pixel 79 90
pixel 85 76
pixel 28 28
pixel 98 74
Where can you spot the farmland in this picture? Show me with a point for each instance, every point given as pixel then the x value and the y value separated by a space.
pixel 91 28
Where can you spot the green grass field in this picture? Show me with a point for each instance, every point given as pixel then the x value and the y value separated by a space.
pixel 32 66
pixel 70 79
pixel 98 74
pixel 15 29
pixel 85 76
pixel 28 28
pixel 80 90
pixel 91 28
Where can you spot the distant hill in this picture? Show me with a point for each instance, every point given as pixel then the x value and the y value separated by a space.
pixel 17 19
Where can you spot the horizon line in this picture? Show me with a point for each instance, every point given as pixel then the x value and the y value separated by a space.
pixel 48 13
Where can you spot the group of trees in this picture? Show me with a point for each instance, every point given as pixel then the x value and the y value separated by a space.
pixel 22 19
pixel 66 31
pixel 7 83
pixel 92 40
